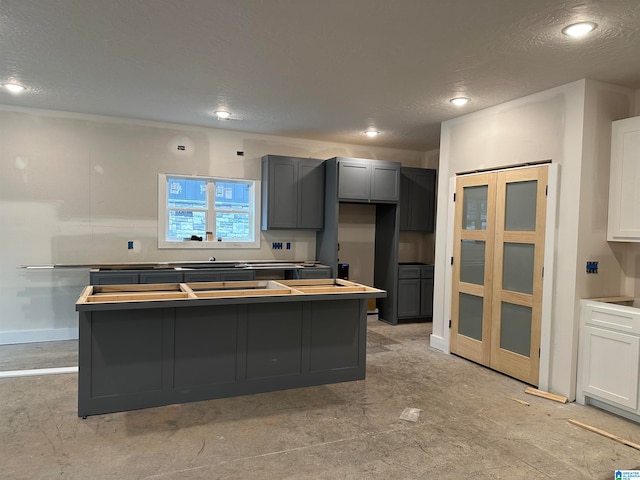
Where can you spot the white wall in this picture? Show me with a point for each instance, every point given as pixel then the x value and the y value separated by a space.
pixel 604 103
pixel 356 237
pixel 548 125
pixel 76 188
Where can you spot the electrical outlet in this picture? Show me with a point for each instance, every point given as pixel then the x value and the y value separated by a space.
pixel 288 245
pixel 592 267
pixel 130 245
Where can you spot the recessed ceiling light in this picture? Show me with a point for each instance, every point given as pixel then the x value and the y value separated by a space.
pixel 579 29
pixel 14 87
pixel 371 133
pixel 459 101
pixel 222 114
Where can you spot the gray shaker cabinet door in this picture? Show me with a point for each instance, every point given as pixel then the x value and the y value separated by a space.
pixel 310 194
pixel 283 191
pixel 292 192
pixel 354 180
pixel 375 181
pixel 385 183
pixel 409 298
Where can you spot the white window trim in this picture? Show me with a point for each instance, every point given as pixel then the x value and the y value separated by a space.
pixel 205 244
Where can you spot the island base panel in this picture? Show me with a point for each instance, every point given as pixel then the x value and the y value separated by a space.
pixel 131 359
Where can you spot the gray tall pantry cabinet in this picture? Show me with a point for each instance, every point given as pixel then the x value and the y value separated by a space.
pixel 292 192
pixel 377 182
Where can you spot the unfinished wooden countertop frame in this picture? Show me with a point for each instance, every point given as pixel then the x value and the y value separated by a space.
pixel 140 293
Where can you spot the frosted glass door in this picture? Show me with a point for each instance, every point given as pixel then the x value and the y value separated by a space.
pixel 473 249
pixel 498 254
pixel 517 272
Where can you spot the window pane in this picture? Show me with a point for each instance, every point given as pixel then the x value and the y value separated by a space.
pixel 520 211
pixel 183 224
pixel 233 196
pixel 185 193
pixel 233 226
pixel 189 206
pixel 474 208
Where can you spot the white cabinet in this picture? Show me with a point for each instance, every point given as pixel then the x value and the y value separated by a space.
pixel 624 194
pixel 609 357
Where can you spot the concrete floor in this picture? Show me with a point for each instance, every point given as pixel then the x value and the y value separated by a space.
pixel 468 428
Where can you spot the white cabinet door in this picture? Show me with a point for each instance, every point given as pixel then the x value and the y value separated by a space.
pixel 610 366
pixel 624 194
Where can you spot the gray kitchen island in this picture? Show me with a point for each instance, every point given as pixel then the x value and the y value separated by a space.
pixel 150 345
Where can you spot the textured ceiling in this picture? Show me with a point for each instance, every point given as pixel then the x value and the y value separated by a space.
pixel 317 69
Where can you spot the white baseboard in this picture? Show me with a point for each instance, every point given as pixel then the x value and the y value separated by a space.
pixel 12 337
pixel 438 343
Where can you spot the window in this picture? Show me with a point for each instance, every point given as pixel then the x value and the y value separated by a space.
pixel 221 211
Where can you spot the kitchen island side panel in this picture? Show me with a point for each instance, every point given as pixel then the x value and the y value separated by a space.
pixel 335 335
pixel 123 360
pixel 206 344
pixel 131 359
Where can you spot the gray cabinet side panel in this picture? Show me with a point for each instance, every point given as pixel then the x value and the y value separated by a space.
pixel 264 192
pixel 84 362
pixel 385 269
pixel 126 352
pixel 335 333
pixel 274 340
pixel 426 297
pixel 405 200
pixel 327 238
pixel 310 194
pixel 423 201
pixel 314 272
pixel 205 345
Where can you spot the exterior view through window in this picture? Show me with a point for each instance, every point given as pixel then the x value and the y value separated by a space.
pixel 220 211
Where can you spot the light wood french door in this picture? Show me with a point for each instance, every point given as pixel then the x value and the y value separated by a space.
pixel 472 280
pixel 497 270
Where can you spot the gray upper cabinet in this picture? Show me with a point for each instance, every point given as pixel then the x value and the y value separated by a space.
pixel 371 181
pixel 417 199
pixel 292 192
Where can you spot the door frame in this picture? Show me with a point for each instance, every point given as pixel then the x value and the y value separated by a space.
pixel 553 173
